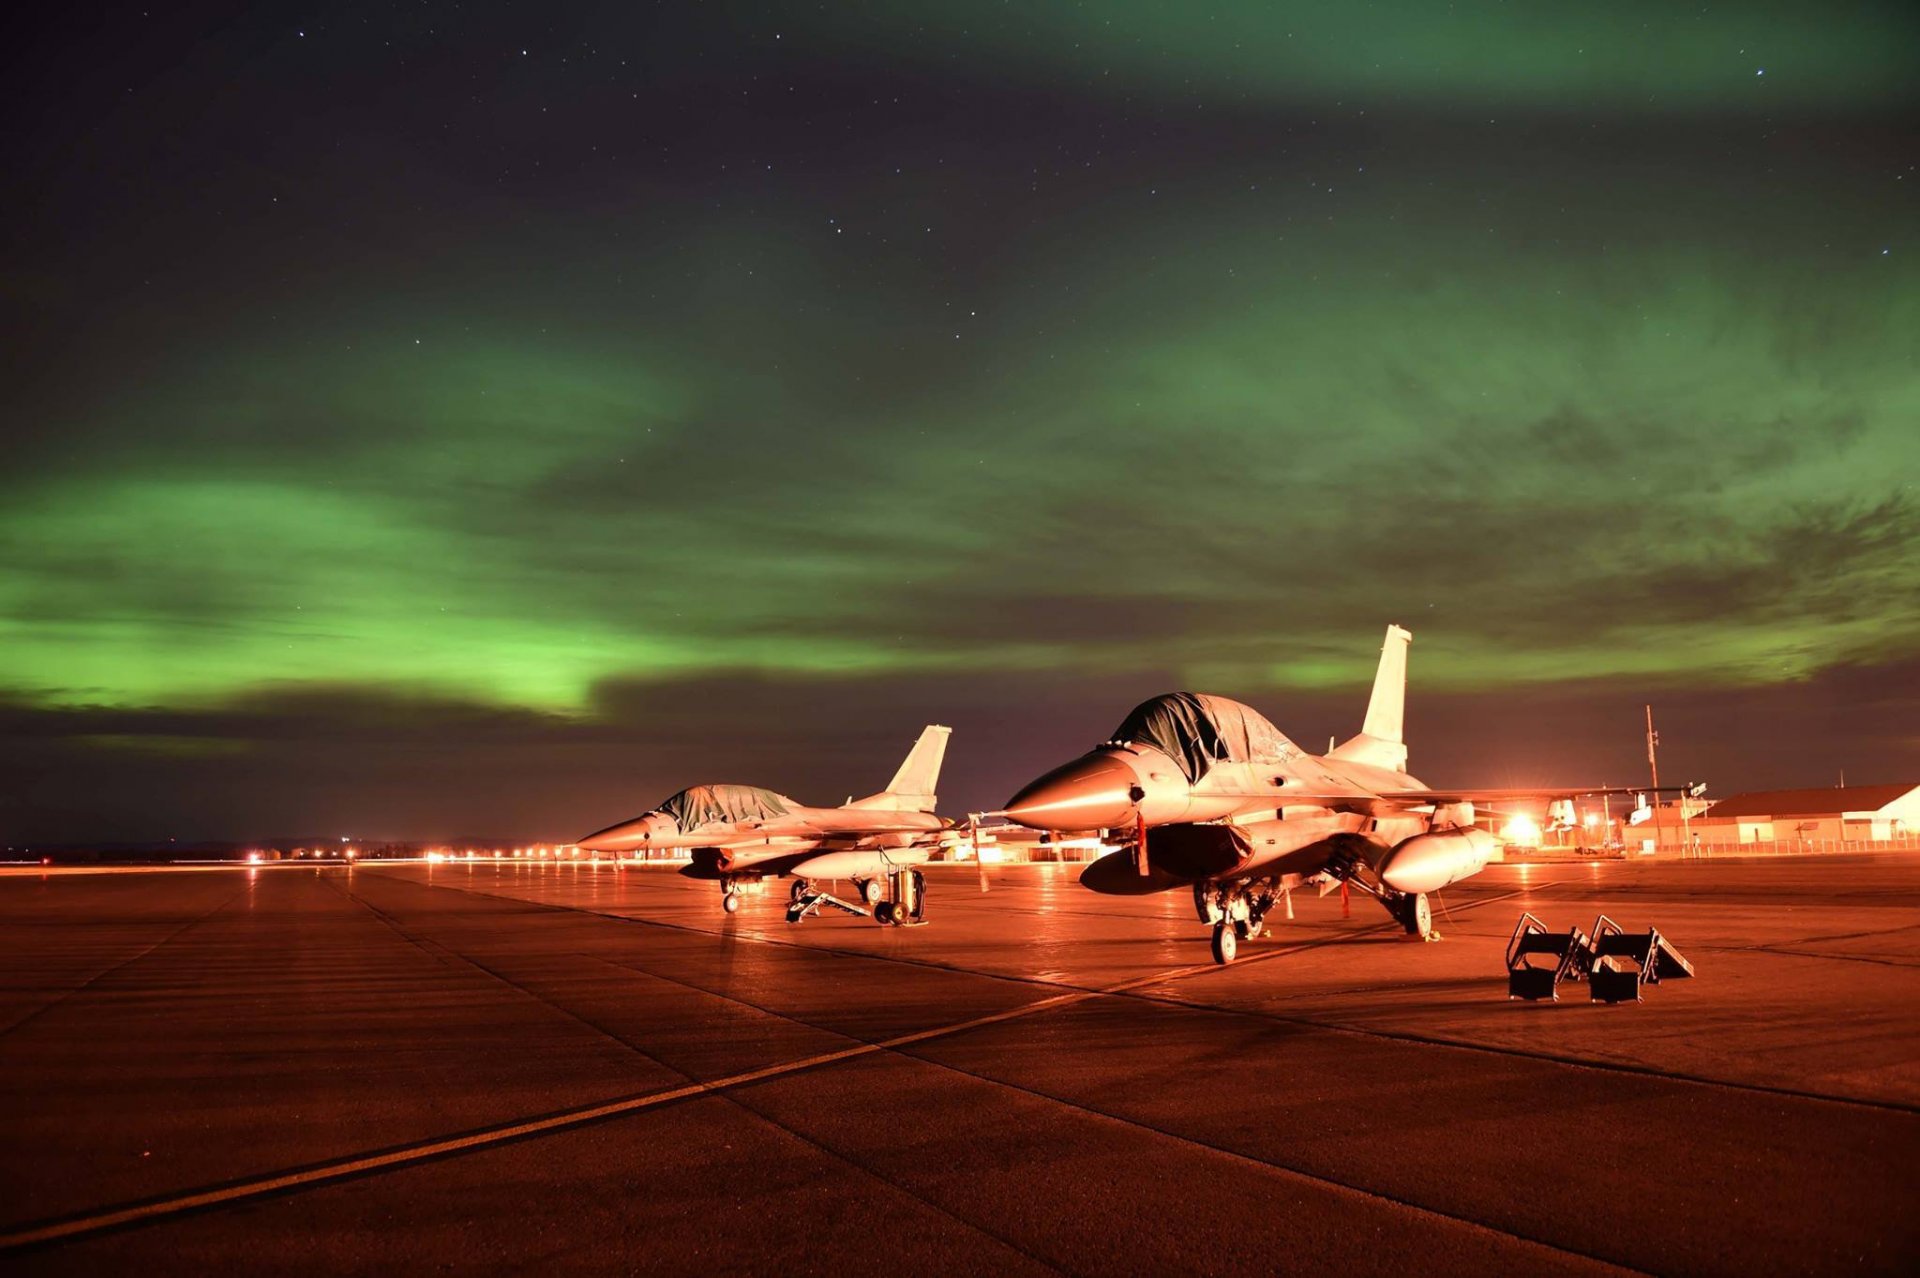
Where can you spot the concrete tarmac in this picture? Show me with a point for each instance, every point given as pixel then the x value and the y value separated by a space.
pixel 508 1065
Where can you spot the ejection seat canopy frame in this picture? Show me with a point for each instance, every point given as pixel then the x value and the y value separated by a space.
pixel 1197 731
pixel 699 806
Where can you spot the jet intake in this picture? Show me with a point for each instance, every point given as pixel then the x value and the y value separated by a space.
pixel 1429 862
pixel 1198 851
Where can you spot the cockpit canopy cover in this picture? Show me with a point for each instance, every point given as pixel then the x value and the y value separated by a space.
pixel 704 805
pixel 1196 731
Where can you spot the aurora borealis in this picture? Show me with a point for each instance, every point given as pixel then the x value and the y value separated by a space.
pixel 493 418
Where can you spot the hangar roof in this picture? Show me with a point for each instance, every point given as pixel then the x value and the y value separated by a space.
pixel 1806 803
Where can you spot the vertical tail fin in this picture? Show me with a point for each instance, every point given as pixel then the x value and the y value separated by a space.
pixel 914 786
pixel 1382 736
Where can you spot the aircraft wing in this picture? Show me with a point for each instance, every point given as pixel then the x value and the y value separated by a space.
pixel 1287 797
pixel 1484 795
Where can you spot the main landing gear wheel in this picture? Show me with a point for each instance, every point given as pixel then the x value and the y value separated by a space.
pixel 870 891
pixel 1225 943
pixel 730 902
pixel 1205 904
pixel 1416 915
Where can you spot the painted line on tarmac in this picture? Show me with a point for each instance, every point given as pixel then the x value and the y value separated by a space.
pixel 265 1186
pixel 107 973
pixel 345 1169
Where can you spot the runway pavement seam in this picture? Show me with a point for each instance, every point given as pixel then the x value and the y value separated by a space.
pixel 828 1151
pixel 70 1228
pixel 1137 989
pixel 763 938
pixel 441 953
pixel 1613 1067
pixel 760 938
pixel 1856 936
pixel 1079 995
pixel 1781 951
pixel 1171 974
pixel 1131 989
pixel 105 973
pixel 1121 990
pixel 541 965
pixel 431 945
pixel 361 1165
pixel 1326 1182
pixel 1570 1062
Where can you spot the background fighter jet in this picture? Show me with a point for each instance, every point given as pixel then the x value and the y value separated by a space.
pixel 1217 798
pixel 739 834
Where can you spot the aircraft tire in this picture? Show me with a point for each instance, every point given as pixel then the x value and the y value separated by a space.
pixel 1203 903
pixel 730 902
pixel 1225 943
pixel 1418 915
pixel 870 891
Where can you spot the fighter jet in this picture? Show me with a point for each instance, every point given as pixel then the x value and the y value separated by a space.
pixel 1215 798
pixel 741 834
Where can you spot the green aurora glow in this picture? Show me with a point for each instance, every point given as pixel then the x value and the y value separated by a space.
pixel 1475 324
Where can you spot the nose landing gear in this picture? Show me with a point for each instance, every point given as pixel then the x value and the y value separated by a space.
pixel 1237 912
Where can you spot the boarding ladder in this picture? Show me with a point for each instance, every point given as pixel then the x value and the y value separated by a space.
pixel 1617 964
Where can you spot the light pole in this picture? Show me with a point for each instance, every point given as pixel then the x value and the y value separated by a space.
pixel 1653 765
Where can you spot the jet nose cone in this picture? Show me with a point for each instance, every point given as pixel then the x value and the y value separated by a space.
pixel 618 838
pixel 1093 792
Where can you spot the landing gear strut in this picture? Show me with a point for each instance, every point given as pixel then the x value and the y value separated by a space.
pixel 1238 913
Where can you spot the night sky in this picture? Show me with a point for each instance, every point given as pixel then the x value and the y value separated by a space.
pixel 491 418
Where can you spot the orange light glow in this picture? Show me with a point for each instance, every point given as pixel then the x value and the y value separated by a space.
pixel 1521 828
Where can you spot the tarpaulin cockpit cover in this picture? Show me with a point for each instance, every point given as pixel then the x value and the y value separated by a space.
pixel 1196 731
pixel 703 805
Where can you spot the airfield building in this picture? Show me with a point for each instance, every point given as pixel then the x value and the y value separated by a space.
pixel 1861 813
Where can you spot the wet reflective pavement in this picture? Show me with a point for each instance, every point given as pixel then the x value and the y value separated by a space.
pixel 504 1065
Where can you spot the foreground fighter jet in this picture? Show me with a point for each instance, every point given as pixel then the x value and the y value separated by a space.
pixel 1212 796
pixel 740 834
